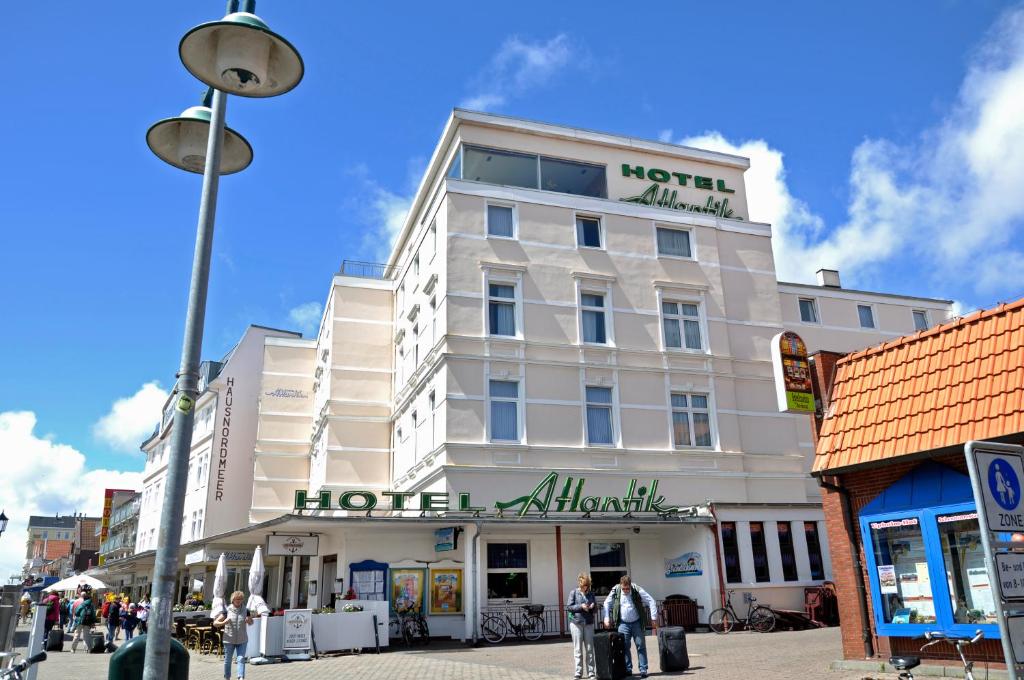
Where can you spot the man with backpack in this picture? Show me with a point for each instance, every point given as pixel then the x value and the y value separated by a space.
pixel 84 620
pixel 625 611
pixel 113 621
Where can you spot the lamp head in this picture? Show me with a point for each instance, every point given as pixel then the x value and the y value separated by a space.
pixel 241 55
pixel 182 142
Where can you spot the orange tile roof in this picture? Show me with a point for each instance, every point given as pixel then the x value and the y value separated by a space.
pixel 943 386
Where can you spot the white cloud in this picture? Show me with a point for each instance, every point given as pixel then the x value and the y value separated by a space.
pixel 306 316
pixel 949 201
pixel 43 477
pixel 518 67
pixel 132 419
pixel 382 210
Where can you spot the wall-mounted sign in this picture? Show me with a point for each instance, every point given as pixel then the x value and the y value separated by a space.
pixel 663 194
pixel 292 546
pixel 542 499
pixel 792 373
pixel 687 564
pixel 445 539
pixel 282 393
pixel 298 629
pixel 224 437
pixel 445 591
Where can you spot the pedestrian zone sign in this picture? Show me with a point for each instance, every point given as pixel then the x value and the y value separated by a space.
pixel 1001 474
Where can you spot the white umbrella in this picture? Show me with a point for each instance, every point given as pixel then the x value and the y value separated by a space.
pixel 256 572
pixel 72 583
pixel 220 581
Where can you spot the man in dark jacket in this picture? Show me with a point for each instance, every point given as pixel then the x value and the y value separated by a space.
pixel 113 620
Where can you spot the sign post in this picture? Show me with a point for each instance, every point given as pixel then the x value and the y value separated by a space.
pixel 997 471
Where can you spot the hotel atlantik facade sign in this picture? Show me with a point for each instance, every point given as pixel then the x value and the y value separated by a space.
pixel 663 194
pixel 538 502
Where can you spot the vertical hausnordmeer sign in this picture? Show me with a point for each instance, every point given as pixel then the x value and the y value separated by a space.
pixel 225 437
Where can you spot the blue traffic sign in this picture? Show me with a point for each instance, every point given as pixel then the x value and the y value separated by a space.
pixel 1004 484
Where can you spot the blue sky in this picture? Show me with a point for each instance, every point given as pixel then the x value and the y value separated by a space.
pixel 887 140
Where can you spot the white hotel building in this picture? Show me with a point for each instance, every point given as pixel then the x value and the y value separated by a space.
pixel 558 301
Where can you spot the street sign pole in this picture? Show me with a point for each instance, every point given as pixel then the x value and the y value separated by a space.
pixel 979 483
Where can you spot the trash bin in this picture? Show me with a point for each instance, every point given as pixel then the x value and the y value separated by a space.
pixel 127 662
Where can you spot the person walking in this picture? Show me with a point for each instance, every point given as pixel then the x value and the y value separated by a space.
pixel 130 620
pixel 51 605
pixel 65 612
pixel 143 615
pixel 234 621
pixel 624 608
pixel 581 606
pixel 84 620
pixel 113 620
pixel 26 608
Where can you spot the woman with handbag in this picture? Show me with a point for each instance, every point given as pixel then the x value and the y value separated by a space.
pixel 233 622
pixel 581 606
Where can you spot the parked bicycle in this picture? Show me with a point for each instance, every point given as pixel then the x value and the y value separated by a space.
pixel 15 672
pixel 905 663
pixel 410 625
pixel 496 627
pixel 759 617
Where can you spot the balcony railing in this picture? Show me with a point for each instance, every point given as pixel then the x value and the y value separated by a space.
pixel 368 270
pixel 126 511
pixel 117 542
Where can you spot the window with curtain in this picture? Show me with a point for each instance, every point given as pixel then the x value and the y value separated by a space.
pixel 760 549
pixel 866 316
pixel 814 551
pixel 786 550
pixel 500 221
pixel 674 242
pixel 592 305
pixel 681 321
pixel 599 415
pixel 501 308
pixel 504 395
pixel 691 423
pixel 588 232
pixel 731 549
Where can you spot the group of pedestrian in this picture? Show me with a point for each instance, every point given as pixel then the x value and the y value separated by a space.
pixel 628 609
pixel 119 614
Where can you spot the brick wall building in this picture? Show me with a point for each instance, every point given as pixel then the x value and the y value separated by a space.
pixel 891 463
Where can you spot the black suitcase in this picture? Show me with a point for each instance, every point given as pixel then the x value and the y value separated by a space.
pixel 97 642
pixel 672 649
pixel 55 640
pixel 609 655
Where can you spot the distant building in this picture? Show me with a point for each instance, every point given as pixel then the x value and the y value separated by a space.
pixel 55 544
pixel 123 526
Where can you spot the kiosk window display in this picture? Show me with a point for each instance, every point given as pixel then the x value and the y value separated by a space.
pixel 369 579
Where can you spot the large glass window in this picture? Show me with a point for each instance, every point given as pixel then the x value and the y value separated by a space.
pixel 599 415
pixel 607 566
pixel 970 594
pixel 814 551
pixel 691 425
pixel 786 551
pixel 593 318
pixel 507 571
pixel 682 324
pixel 904 582
pixel 499 167
pixel 571 177
pixel 731 548
pixel 674 242
pixel 760 549
pixel 504 410
pixel 501 308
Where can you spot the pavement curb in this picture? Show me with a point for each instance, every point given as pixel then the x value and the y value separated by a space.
pixel 980 672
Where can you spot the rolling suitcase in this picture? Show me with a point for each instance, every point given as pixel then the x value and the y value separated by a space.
pixel 609 655
pixel 97 642
pixel 672 649
pixel 55 640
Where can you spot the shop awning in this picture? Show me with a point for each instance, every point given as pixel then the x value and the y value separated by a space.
pixel 962 380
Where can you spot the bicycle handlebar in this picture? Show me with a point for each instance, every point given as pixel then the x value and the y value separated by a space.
pixel 936 637
pixel 23 666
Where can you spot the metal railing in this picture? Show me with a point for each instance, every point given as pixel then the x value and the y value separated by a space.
pixel 368 270
pixel 551 616
pixel 126 540
pixel 125 511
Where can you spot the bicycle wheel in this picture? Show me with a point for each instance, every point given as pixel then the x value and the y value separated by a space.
pixel 494 629
pixel 762 619
pixel 533 627
pixel 721 621
pixel 422 630
pixel 409 630
pixel 394 627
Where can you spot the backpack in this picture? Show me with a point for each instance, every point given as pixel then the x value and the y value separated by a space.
pixel 89 615
pixel 104 609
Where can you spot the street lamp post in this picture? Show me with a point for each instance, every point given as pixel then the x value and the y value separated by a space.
pixel 241 55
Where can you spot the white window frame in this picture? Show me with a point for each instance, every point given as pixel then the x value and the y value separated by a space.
pixel 924 313
pixel 601 238
pixel 814 305
pixel 614 406
pixel 675 227
pixel 529 573
pixel 503 277
pixel 685 297
pixel 606 310
pixel 595 286
pixel 416 346
pixel 520 402
pixel 690 410
pixel 515 220
pixel 625 545
pixel 874 316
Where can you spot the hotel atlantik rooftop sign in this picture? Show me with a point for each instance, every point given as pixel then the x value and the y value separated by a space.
pixel 663 194
pixel 539 501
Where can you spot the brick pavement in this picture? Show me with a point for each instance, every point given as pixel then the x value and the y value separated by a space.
pixel 777 656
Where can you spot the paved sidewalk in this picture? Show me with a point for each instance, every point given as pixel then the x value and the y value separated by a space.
pixel 776 656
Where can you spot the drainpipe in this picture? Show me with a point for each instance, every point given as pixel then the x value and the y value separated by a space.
pixel 718 555
pixel 851 536
pixel 474 553
pixel 561 586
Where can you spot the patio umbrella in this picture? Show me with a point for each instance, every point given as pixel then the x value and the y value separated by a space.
pixel 220 581
pixel 72 583
pixel 256 572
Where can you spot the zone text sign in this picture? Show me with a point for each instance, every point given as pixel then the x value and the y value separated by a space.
pixel 1001 474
